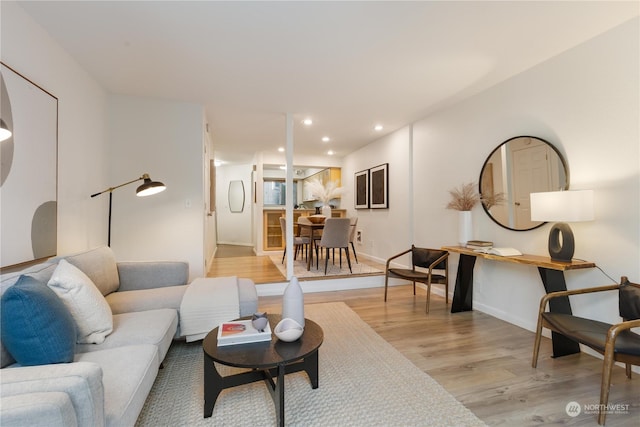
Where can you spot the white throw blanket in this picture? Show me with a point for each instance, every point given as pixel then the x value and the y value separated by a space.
pixel 206 303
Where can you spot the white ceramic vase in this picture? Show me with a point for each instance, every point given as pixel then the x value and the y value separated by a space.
pixel 326 211
pixel 465 227
pixel 293 302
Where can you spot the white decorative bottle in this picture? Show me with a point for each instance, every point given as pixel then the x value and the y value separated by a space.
pixel 293 302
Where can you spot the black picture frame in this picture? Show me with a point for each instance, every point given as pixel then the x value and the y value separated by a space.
pixel 361 192
pixel 379 187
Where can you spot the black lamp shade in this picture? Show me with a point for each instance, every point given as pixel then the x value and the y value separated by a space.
pixel 149 187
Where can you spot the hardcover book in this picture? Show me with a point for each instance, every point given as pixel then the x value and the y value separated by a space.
pixel 241 332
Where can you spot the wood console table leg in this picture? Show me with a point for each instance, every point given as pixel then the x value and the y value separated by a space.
pixel 463 291
pixel 553 281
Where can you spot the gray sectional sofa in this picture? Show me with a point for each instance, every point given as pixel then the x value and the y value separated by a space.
pixel 106 384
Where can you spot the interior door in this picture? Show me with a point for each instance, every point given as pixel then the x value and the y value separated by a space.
pixel 531 161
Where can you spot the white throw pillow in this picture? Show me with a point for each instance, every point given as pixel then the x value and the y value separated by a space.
pixel 82 298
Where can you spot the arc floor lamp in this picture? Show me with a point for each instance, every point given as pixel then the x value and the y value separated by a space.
pixel 147 188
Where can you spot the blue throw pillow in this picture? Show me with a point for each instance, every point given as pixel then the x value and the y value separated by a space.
pixel 37 328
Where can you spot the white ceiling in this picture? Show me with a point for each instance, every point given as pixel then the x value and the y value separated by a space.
pixel 348 65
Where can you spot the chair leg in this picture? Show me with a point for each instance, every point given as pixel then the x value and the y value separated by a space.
pixel 627 369
pixel 536 344
pixel 607 366
pixel 283 254
pixel 326 262
pixel 428 296
pixel 386 285
pixel 354 252
pixel 348 260
pixel 446 292
pixel 414 287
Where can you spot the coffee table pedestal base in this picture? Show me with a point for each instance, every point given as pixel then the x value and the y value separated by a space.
pixel 214 383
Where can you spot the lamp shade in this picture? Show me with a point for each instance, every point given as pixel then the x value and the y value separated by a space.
pixel 149 187
pixel 5 132
pixel 562 206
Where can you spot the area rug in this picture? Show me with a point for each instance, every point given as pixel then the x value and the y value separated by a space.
pixel 301 272
pixel 363 381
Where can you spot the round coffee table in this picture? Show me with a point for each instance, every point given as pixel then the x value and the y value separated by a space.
pixel 268 361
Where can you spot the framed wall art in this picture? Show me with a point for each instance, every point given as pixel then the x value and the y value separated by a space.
pixel 29 170
pixel 379 185
pixel 361 192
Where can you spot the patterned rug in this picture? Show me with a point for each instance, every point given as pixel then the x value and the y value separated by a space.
pixel 363 381
pixel 333 269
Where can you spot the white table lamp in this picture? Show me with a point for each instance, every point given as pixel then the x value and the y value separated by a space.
pixel 562 207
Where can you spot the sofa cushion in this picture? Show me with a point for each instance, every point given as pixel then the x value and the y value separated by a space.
pixel 100 265
pixel 157 327
pixel 128 374
pixel 84 301
pixel 37 328
pixel 146 299
pixel 41 272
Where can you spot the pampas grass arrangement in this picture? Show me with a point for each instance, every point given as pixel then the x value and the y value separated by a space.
pixel 324 193
pixel 492 200
pixel 463 198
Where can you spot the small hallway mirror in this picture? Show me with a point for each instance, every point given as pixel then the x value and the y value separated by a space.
pixel 236 196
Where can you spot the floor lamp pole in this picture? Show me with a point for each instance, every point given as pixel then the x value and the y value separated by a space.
pixel 148 188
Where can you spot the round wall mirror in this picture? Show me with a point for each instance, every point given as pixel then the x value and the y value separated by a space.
pixel 517 167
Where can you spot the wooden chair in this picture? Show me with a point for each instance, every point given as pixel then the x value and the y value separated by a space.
pixel 429 259
pixel 617 343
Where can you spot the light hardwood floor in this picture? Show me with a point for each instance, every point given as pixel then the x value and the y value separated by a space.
pixel 485 362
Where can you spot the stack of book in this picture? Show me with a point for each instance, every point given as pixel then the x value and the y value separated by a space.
pixel 479 244
pixel 241 332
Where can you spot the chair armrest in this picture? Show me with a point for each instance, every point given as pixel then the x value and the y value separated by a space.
pixel 396 256
pixel 152 274
pixel 438 261
pixel 81 381
pixel 545 299
pixel 49 409
pixel 615 330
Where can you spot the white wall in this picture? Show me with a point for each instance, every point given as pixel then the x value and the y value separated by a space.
pixel 82 126
pixel 164 139
pixel 384 231
pixel 234 228
pixel 585 102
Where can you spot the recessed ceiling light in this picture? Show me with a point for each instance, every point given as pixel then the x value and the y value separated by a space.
pixel 378 128
pixel 284 168
pixel 281 149
pixel 330 152
pixel 326 139
pixel 307 122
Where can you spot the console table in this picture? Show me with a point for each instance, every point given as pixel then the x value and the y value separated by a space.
pixel 551 273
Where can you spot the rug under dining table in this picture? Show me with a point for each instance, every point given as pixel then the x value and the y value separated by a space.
pixel 333 268
pixel 363 381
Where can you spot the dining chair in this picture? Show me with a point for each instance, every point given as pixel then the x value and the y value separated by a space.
pixel 299 242
pixel 335 235
pixel 616 342
pixel 426 259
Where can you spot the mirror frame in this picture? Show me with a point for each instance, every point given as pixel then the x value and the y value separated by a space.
pixel 486 162
pixel 236 196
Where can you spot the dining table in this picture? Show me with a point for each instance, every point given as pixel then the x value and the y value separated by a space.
pixel 312 228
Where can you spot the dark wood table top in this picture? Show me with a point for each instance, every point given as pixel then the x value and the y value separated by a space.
pixel 266 354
